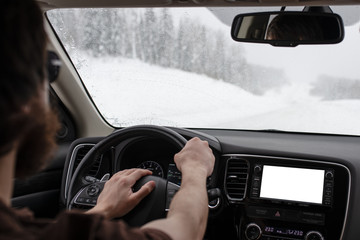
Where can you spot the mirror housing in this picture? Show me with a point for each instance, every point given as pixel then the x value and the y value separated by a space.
pixel 288 29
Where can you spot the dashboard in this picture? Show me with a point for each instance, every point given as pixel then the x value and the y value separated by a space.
pixel 272 185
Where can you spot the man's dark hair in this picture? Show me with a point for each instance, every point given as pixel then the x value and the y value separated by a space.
pixel 22 42
pixel 294 27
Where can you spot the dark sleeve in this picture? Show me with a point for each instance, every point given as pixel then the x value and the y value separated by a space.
pixel 78 226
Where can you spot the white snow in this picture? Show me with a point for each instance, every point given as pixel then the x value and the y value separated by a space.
pixel 129 92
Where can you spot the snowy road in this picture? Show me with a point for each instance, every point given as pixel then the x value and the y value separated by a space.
pixel 155 95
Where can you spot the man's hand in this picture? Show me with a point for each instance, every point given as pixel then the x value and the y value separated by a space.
pixel 195 156
pixel 117 197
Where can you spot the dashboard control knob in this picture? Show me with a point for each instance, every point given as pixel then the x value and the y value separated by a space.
pixel 214 204
pixel 329 175
pixel 257 169
pixel 213 194
pixel 253 231
pixel 314 235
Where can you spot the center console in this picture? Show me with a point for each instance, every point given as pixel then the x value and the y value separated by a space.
pixel 287 199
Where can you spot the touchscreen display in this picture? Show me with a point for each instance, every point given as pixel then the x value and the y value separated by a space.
pixel 294 184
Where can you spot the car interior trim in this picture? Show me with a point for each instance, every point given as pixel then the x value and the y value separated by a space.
pixel 71 165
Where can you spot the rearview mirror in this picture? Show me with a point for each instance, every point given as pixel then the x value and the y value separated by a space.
pixel 288 28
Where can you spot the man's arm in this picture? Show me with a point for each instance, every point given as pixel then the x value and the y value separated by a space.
pixel 187 217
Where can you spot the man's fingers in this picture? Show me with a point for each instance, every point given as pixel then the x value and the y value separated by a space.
pixel 129 171
pixel 124 172
pixel 139 173
pixel 143 191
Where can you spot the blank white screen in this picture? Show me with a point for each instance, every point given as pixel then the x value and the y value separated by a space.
pixel 295 184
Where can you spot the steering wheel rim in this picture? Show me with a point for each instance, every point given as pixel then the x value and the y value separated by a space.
pixel 77 182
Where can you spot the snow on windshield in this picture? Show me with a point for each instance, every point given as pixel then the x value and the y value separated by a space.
pixel 179 67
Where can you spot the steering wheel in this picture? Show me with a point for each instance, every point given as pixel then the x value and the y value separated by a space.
pixel 150 208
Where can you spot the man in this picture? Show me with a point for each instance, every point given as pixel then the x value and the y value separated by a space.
pixel 27 130
pixel 294 28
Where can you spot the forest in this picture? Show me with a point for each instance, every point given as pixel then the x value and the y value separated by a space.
pixel 156 36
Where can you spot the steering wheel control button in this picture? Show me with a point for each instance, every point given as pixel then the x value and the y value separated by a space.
pixel 85 201
pixel 91 179
pixel 93 190
pixel 314 235
pixel 88 195
pixel 253 231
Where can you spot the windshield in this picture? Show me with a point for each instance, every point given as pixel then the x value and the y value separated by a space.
pixel 180 67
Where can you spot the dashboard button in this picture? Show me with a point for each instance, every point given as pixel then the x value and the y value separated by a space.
pixel 329 175
pixel 313 235
pixel 254 192
pixel 329 184
pixel 258 212
pixel 256 183
pixel 291 215
pixel 327 200
pixel 277 214
pixel 257 169
pixel 328 194
pixel 253 231
pixel 313 218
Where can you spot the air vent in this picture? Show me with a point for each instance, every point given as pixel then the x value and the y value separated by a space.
pixel 236 177
pixel 80 154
